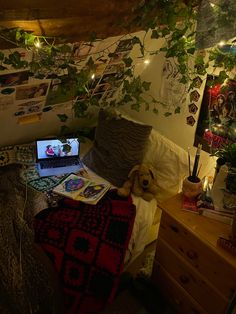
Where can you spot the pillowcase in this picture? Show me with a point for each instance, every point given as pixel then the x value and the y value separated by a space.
pixel 169 163
pixel 119 145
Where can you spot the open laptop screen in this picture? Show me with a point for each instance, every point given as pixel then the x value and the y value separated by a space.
pixel 55 148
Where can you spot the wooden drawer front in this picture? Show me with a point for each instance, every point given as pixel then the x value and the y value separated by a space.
pixel 212 266
pixel 174 293
pixel 190 279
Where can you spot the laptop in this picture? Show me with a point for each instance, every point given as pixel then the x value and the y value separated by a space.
pixel 57 156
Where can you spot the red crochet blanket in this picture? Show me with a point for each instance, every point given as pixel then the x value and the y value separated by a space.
pixel 87 245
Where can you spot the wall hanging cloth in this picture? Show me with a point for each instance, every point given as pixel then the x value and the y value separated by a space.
pixel 87 245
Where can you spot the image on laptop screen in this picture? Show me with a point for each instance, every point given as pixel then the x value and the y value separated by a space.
pixel 57 148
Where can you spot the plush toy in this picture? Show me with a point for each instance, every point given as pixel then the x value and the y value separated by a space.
pixel 140 182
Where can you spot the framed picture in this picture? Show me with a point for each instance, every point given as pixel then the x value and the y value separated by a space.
pixel 217 120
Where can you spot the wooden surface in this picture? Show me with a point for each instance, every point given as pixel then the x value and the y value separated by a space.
pixel 205 228
pixel 187 256
pixel 74 20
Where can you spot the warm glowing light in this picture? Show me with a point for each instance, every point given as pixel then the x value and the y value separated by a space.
pixel 93 76
pixel 37 44
pixel 146 61
pixel 221 43
pixel 213 5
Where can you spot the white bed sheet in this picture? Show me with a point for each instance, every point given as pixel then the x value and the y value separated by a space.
pixel 145 213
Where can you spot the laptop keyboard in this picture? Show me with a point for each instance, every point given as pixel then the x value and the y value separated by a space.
pixel 58 163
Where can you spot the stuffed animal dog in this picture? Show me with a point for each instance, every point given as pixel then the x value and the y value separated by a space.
pixel 140 182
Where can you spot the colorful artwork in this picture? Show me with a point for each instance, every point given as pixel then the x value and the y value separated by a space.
pixel 217 119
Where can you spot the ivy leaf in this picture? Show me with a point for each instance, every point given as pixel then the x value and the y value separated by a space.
pixel 127 98
pixel 128 72
pixel 191 50
pixel 222 76
pixel 183 80
pixel 155 34
pixel 177 110
pixel 62 117
pixel 146 85
pixel 128 62
pixel 1 55
pixel 136 40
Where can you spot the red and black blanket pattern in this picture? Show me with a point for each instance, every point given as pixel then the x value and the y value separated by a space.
pixel 87 245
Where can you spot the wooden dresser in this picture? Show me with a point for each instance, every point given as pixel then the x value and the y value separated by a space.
pixel 192 272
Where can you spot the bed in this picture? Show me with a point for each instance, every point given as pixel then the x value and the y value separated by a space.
pixel 119 144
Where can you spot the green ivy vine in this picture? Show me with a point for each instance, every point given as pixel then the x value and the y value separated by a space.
pixel 171 20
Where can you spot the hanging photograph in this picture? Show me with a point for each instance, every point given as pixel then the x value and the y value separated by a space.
pixel 11 79
pixel 217 119
pixel 31 91
pixel 29 108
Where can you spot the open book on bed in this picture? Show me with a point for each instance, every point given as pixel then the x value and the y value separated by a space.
pixel 82 189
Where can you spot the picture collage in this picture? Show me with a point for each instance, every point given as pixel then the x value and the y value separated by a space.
pixel 26 96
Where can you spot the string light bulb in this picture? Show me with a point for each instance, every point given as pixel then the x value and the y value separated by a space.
pixel 93 76
pixel 37 43
pixel 221 43
pixel 146 61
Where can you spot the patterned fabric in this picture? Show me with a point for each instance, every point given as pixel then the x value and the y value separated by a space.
pixel 87 245
pixel 119 145
pixel 26 285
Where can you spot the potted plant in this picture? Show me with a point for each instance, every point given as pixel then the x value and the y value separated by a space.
pixel 227 156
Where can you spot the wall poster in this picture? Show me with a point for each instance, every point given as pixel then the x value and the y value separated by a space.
pixel 217 120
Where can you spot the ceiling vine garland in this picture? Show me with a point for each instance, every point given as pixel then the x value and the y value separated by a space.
pixel 178 23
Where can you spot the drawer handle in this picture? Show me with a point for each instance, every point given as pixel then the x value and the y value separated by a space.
pixel 184 279
pixel 174 228
pixel 192 254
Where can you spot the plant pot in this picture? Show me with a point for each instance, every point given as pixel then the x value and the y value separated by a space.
pixel 191 187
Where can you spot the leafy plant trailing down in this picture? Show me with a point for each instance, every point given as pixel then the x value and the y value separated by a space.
pixel 227 155
pixel 173 20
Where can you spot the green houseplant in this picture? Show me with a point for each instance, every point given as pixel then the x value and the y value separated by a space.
pixel 227 155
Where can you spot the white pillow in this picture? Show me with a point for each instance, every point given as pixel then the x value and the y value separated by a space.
pixel 169 162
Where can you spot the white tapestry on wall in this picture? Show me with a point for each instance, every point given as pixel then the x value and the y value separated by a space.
pixel 172 91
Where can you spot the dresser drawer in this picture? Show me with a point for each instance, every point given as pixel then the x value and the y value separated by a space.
pixel 190 279
pixel 174 293
pixel 199 254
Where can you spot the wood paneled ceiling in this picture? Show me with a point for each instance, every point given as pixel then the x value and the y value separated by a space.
pixel 72 19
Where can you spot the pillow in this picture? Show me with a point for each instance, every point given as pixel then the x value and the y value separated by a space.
pixel 169 162
pixel 119 145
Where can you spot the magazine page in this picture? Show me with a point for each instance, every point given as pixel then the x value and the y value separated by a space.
pixel 82 189
pixel 71 186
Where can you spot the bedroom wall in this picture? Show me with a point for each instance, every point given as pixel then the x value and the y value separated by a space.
pixel 174 127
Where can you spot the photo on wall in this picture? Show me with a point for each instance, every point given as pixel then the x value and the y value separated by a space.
pixel 217 120
pixel 12 79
